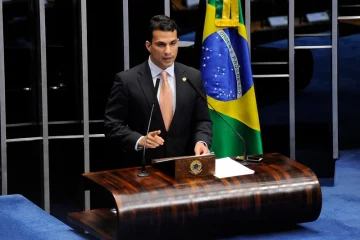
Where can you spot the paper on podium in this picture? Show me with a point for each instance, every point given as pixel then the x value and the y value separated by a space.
pixel 226 167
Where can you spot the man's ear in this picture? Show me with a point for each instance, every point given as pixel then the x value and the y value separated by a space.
pixel 148 46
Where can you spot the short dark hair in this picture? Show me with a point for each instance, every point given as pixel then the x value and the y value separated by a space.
pixel 162 23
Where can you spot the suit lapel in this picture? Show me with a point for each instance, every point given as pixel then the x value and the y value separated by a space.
pixel 180 72
pixel 146 83
pixel 147 86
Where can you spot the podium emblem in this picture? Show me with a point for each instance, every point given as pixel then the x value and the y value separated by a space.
pixel 195 167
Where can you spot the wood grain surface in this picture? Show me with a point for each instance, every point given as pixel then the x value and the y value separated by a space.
pixel 281 190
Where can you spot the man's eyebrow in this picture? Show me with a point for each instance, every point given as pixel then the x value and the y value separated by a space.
pixel 161 42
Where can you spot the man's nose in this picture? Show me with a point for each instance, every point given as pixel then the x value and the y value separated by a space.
pixel 167 49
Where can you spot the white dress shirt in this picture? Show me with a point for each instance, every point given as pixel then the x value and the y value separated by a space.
pixel 156 73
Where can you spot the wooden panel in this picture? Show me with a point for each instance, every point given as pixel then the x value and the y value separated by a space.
pixel 99 222
pixel 280 190
pixel 186 166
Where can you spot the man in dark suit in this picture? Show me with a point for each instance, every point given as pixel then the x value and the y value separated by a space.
pixel 180 123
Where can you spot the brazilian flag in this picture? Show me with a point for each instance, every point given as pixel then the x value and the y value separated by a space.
pixel 227 76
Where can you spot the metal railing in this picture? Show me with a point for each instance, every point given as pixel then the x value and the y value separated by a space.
pixel 85 96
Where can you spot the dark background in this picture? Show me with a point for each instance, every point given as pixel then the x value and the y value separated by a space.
pixel 105 59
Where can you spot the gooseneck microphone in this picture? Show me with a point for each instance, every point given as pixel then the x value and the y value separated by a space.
pixel 244 161
pixel 143 172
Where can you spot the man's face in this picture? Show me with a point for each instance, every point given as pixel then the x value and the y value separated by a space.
pixel 163 48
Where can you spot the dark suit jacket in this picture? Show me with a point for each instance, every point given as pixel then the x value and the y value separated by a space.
pixel 128 111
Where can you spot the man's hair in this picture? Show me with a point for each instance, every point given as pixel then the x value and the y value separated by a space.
pixel 162 23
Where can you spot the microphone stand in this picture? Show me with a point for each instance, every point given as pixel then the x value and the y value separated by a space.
pixel 244 161
pixel 143 172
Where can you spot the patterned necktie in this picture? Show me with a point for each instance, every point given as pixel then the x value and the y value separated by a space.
pixel 166 104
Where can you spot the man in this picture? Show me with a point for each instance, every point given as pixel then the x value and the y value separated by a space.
pixel 180 123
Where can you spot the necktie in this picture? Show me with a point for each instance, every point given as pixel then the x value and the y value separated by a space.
pixel 166 105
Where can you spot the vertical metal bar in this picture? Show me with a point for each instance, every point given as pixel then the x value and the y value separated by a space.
pixel 126 34
pixel 44 106
pixel 167 7
pixel 334 77
pixel 291 20
pixel 248 22
pixel 2 110
pixel 84 76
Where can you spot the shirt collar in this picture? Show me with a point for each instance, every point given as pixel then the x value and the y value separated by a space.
pixel 155 70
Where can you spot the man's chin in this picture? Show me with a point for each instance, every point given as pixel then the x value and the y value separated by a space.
pixel 167 64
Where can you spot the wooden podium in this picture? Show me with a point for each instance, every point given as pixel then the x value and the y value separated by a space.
pixel 280 190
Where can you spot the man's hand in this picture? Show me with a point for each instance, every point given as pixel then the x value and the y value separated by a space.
pixel 200 149
pixel 153 141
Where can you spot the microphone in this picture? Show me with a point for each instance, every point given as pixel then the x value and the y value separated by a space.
pixel 245 160
pixel 143 172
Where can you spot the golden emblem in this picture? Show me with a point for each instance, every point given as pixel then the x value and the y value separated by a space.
pixel 195 167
